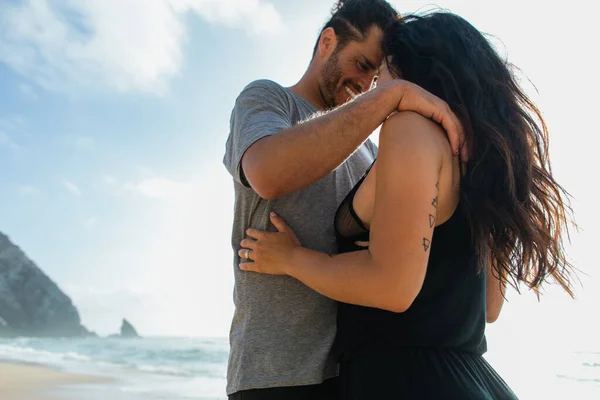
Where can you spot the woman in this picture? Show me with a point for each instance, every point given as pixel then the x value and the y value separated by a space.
pixel 428 242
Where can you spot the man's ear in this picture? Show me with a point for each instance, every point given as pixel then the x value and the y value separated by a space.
pixel 327 42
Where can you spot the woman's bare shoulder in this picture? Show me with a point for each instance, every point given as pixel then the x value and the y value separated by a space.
pixel 423 131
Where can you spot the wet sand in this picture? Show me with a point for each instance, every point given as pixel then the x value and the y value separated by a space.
pixel 36 382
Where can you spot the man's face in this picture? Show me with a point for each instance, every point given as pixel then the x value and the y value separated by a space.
pixel 350 71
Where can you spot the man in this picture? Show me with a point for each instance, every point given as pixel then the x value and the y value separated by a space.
pixel 302 168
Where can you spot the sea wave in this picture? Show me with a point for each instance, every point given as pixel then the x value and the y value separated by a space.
pixel 170 357
pixel 28 354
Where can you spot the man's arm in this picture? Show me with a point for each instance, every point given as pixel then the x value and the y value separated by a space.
pixel 389 275
pixel 294 158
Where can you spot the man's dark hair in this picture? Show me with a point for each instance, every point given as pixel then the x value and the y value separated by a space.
pixel 352 19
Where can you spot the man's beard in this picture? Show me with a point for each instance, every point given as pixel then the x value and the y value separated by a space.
pixel 331 74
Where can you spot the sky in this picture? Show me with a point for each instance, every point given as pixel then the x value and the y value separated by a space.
pixel 113 121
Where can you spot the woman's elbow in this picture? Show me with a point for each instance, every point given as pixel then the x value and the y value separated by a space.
pixel 493 306
pixel 399 290
pixel 491 319
pixel 398 306
pixel 491 316
pixel 400 300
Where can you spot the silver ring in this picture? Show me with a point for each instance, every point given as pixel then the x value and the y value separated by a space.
pixel 247 254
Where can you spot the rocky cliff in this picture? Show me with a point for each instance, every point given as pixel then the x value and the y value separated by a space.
pixel 127 330
pixel 31 304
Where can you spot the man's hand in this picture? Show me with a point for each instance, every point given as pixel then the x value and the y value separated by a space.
pixel 414 98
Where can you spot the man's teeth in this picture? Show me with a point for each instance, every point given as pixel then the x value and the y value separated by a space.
pixel 350 92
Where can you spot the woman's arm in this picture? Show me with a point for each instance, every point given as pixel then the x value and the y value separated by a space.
pixel 390 274
pixel 495 290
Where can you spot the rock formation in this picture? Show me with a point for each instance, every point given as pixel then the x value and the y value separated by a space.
pixel 31 304
pixel 127 330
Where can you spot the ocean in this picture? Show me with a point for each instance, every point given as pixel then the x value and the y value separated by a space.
pixel 195 368
pixel 147 368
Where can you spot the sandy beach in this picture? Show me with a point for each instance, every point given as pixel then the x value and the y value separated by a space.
pixel 35 382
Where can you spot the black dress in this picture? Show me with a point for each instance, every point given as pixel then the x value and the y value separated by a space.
pixel 434 349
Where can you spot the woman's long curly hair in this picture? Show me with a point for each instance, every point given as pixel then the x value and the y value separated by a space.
pixel 514 204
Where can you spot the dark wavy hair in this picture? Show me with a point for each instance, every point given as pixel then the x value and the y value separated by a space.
pixel 514 204
pixel 352 19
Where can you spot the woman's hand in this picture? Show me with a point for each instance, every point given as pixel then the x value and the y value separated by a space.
pixel 271 252
pixel 415 98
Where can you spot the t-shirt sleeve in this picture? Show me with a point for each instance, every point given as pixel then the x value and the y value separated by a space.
pixel 372 148
pixel 260 110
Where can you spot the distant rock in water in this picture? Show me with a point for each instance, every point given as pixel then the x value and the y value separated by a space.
pixel 127 330
pixel 31 304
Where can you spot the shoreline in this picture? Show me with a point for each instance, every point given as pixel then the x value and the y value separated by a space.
pixel 29 381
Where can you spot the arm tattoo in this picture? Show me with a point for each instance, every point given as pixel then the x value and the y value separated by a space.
pixel 426 244
pixel 431 221
pixel 434 203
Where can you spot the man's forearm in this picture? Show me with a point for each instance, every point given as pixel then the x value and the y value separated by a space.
pixel 301 155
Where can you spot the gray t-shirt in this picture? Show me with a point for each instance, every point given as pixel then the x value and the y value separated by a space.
pixel 282 331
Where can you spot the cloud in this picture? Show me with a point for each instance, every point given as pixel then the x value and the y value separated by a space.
pixel 71 187
pixel 102 308
pixel 258 16
pixel 80 142
pixel 125 45
pixel 191 227
pixel 109 179
pixel 158 188
pixel 163 189
pixel 28 190
pixel 12 122
pixel 175 226
pixel 28 92
pixel 7 142
pixel 91 222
